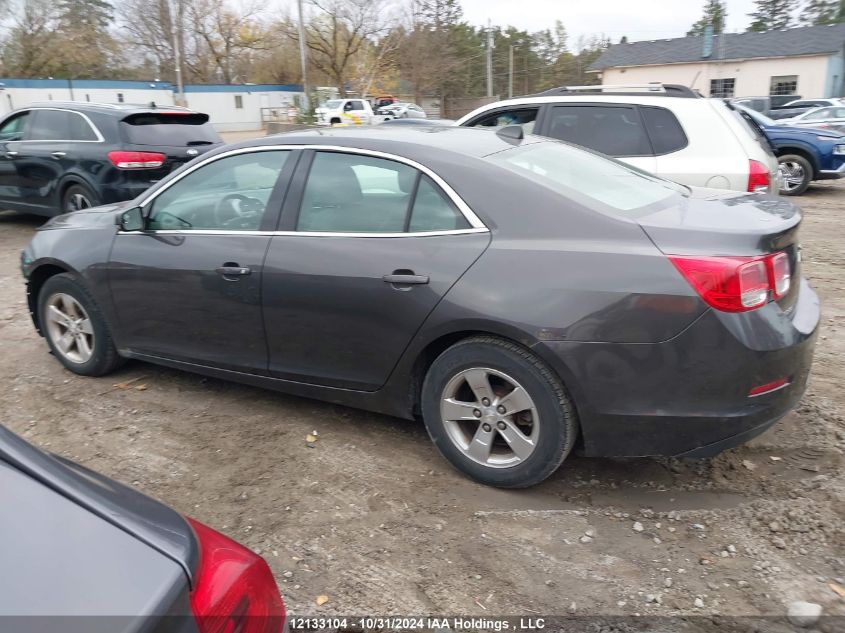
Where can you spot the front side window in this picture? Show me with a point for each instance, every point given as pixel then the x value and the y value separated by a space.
pixel 525 117
pixel 350 193
pixel 612 130
pixel 586 177
pixel 783 85
pixel 13 129
pixel 231 193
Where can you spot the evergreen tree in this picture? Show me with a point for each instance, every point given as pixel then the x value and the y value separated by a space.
pixel 772 15
pixel 823 12
pixel 715 13
pixel 438 14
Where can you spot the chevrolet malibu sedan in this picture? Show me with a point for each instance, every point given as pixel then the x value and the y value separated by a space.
pixel 515 292
pixel 82 552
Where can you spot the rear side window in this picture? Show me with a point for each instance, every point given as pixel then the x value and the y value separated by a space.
pixel 169 129
pixel 434 211
pixel 664 130
pixel 612 130
pixel 53 125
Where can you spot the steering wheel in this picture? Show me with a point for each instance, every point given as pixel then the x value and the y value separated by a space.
pixel 236 206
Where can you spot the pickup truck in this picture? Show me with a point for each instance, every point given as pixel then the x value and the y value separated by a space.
pixel 347 111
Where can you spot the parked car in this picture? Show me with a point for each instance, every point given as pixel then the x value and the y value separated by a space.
pixel 665 130
pixel 804 154
pixel 828 118
pixel 384 100
pixel 800 106
pixel 346 111
pixel 402 110
pixel 514 291
pixel 58 157
pixel 775 106
pixel 83 552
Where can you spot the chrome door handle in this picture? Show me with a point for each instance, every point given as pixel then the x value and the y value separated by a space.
pixel 405 279
pixel 233 271
pixel 58 155
pixel 12 154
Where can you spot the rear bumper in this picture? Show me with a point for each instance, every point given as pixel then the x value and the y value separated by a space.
pixel 689 395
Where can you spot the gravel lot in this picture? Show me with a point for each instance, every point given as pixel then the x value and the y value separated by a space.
pixel 374 519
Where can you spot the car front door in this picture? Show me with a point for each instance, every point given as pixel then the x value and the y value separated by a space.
pixel 613 129
pixel 187 287
pixel 12 132
pixel 370 246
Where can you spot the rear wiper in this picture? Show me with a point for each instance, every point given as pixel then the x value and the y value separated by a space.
pixel 189 143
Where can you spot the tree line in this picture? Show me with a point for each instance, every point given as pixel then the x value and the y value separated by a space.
pixel 417 47
pixel 769 15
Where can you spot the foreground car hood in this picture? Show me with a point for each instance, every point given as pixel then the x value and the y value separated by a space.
pixel 87 218
pixel 719 222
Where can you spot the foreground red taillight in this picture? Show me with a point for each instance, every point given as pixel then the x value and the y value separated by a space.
pixel 769 387
pixel 234 590
pixel 137 160
pixel 759 178
pixel 736 284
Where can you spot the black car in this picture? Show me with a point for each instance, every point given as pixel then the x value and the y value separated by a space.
pixel 514 291
pixel 57 157
pixel 82 552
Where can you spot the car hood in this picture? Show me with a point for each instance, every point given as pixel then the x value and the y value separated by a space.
pixel 87 218
pixel 804 131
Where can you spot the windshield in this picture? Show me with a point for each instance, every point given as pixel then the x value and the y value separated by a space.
pixel 333 104
pixel 577 173
pixel 758 117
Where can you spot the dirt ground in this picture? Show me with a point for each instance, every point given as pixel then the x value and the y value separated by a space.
pixel 376 520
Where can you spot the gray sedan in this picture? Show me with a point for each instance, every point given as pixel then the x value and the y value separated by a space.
pixel 518 294
pixel 829 117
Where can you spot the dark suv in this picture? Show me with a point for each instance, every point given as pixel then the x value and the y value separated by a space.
pixel 59 157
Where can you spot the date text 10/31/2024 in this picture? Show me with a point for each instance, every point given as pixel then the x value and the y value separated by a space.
pixel 300 623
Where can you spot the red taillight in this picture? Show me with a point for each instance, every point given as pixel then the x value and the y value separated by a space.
pixel 234 590
pixel 736 284
pixel 769 387
pixel 758 177
pixel 137 160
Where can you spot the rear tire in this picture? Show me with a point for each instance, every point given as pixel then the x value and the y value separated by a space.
pixel 796 173
pixel 78 197
pixel 75 328
pixel 515 438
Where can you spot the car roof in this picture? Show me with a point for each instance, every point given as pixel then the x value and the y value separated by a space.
pixel 411 141
pixel 118 109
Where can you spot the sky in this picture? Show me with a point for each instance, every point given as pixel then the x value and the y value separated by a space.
pixel 638 19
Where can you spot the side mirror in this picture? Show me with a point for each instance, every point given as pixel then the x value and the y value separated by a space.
pixel 131 220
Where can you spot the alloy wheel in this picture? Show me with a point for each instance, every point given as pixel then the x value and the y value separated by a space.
pixel 792 175
pixel 76 202
pixel 490 417
pixel 69 328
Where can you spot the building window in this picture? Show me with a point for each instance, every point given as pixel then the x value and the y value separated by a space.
pixel 784 85
pixel 239 102
pixel 120 97
pixel 722 88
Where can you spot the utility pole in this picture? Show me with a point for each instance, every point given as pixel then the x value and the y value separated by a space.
pixel 489 59
pixel 303 60
pixel 175 14
pixel 510 72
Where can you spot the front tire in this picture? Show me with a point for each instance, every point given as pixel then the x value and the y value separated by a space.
pixel 796 173
pixel 74 327
pixel 498 413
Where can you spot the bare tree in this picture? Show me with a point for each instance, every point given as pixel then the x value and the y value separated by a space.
pixel 340 31
pixel 30 49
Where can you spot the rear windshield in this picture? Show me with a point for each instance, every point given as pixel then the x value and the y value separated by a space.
pixel 169 129
pixel 579 174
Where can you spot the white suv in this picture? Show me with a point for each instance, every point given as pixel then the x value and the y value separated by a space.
pixel 666 130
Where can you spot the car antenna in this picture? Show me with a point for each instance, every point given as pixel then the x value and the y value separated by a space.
pixel 153 104
pixel 514 132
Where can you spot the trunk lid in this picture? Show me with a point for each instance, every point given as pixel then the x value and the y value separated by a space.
pixel 723 223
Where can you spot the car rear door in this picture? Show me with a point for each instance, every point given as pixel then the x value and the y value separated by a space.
pixel 370 244
pixel 614 129
pixel 187 287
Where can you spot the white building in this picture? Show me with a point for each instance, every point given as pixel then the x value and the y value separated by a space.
pixel 807 61
pixel 231 107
